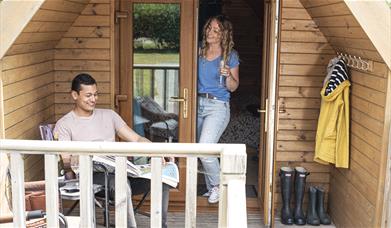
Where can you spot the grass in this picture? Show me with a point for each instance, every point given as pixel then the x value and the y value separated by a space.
pixel 156 58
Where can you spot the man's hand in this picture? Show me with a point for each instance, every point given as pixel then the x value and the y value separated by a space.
pixel 168 159
pixel 66 161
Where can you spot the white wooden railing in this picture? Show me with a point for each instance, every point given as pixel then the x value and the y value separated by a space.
pixel 232 204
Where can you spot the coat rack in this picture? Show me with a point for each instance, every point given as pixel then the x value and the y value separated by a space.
pixel 356 62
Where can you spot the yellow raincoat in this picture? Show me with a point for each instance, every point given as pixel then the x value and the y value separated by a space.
pixel 332 135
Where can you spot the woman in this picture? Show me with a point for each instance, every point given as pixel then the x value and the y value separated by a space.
pixel 218 75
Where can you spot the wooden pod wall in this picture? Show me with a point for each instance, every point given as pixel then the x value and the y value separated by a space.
pixel 28 75
pixel 312 33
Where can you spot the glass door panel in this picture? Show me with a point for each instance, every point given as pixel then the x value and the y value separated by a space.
pixel 156 70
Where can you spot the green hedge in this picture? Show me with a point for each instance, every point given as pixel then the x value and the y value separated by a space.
pixel 159 23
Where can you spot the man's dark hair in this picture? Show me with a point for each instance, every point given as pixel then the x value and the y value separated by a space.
pixel 82 79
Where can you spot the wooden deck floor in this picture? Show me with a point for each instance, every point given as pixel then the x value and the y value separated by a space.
pixel 204 220
pixel 177 219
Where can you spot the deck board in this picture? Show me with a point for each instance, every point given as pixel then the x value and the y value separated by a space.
pixel 204 220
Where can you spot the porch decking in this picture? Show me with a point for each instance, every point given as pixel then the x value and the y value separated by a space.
pixel 204 220
pixel 177 219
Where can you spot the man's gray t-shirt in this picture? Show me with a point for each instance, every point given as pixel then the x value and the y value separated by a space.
pixel 102 125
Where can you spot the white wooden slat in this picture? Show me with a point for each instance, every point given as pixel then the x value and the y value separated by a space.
pixel 17 180
pixel 191 192
pixel 233 172
pixel 87 206
pixel 156 192
pixel 223 204
pixel 51 190
pixel 237 217
pixel 121 196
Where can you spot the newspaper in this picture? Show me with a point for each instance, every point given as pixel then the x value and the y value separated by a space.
pixel 170 172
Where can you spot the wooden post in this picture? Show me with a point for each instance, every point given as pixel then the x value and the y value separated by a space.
pixel 17 179
pixel 232 204
pixel 191 192
pixel 156 192
pixel 4 162
pixel 383 206
pixel 87 206
pixel 121 182
pixel 51 190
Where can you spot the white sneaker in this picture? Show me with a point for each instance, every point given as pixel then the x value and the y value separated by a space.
pixel 207 194
pixel 214 195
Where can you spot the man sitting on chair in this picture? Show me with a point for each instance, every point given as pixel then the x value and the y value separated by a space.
pixel 87 123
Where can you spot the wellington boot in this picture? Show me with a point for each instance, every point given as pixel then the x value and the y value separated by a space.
pixel 300 177
pixel 286 177
pixel 323 216
pixel 312 215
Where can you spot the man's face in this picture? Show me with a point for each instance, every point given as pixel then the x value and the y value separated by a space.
pixel 86 98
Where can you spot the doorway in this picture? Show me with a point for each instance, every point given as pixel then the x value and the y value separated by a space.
pixel 156 65
pixel 246 123
pixel 134 92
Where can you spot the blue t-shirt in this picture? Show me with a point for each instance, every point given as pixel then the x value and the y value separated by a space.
pixel 209 75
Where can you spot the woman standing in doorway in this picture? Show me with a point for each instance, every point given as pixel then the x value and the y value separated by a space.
pixel 218 75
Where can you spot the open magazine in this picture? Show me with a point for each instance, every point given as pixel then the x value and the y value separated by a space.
pixel 170 173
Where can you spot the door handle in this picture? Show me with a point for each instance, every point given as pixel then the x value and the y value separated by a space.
pixel 177 99
pixel 266 110
pixel 183 100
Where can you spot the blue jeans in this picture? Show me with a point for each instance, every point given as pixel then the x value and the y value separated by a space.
pixel 212 119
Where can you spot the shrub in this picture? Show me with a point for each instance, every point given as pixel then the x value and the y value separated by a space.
pixel 159 23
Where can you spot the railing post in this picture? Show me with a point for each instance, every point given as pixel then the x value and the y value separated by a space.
pixel 87 205
pixel 121 197
pixel 232 204
pixel 156 192
pixel 17 181
pixel 191 192
pixel 51 190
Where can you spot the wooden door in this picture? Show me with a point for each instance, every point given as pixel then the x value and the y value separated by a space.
pixel 262 105
pixel 157 77
pixel 269 107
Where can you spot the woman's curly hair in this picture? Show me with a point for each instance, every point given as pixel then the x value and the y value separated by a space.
pixel 227 42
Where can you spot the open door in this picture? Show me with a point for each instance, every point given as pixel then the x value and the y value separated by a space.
pixel 157 57
pixel 269 107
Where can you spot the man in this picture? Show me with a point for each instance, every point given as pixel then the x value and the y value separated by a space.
pixel 87 123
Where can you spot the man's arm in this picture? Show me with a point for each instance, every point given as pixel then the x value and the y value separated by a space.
pixel 127 134
pixel 61 133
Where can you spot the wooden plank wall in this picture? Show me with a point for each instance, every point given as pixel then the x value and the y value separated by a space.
pixel 86 47
pixel 248 33
pixel 304 54
pixel 28 75
pixel 355 193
